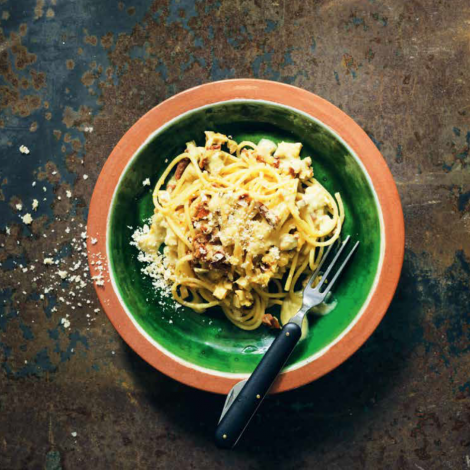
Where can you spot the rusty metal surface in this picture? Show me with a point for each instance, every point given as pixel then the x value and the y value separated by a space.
pixel 74 76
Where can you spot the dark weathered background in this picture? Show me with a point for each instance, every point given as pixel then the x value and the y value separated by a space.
pixel 75 75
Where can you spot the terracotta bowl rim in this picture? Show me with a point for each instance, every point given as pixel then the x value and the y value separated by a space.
pixel 342 127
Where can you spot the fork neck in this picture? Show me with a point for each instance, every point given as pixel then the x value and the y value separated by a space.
pixel 298 318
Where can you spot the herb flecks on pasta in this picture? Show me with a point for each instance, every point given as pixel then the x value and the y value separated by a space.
pixel 240 224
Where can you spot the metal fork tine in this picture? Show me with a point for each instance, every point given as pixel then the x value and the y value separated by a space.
pixel 330 267
pixel 317 270
pixel 345 262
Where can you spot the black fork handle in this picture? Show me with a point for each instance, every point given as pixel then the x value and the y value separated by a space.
pixel 244 407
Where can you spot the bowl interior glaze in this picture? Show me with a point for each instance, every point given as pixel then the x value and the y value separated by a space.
pixel 209 340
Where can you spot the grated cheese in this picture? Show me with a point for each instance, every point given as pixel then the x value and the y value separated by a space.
pixel 27 219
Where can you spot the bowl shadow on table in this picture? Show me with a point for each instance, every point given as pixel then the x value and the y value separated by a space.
pixel 334 407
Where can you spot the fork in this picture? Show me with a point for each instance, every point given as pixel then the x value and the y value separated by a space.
pixel 246 396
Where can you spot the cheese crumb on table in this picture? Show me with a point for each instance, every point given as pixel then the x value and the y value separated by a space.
pixel 24 149
pixel 19 206
pixel 27 219
pixel 35 204
pixel 85 177
pixel 68 193
pixel 146 182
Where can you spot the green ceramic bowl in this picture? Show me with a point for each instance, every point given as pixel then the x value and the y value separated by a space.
pixel 209 344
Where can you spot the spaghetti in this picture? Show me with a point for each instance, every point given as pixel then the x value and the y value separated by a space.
pixel 240 225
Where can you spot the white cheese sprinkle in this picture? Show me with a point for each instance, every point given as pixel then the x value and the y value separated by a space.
pixel 24 149
pixel 27 219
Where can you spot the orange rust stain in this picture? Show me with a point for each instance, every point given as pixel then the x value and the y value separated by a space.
pixel 38 78
pixel 23 29
pixel 22 57
pixel 107 40
pixel 21 105
pixel 76 145
pixel 70 64
pixel 92 40
pixel 73 118
pixel 88 78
